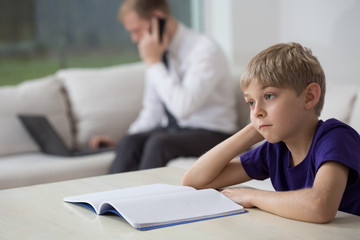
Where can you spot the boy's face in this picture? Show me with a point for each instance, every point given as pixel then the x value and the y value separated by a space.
pixel 276 113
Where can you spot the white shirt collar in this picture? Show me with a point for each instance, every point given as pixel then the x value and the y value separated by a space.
pixel 177 39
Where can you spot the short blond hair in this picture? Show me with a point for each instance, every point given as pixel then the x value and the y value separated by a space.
pixel 286 65
pixel 144 8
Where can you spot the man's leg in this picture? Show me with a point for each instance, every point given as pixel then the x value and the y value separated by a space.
pixel 164 146
pixel 129 151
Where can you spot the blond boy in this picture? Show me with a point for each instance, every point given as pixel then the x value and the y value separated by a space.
pixel 313 165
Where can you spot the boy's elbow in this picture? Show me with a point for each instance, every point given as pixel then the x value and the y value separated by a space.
pixel 191 182
pixel 323 213
pixel 324 217
pixel 187 181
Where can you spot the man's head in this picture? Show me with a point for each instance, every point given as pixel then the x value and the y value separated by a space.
pixel 286 66
pixel 136 15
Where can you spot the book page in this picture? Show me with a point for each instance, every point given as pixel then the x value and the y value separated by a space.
pixel 175 207
pixel 96 199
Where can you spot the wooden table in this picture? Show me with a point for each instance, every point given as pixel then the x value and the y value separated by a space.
pixel 38 212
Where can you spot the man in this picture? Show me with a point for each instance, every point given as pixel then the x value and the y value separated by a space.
pixel 188 103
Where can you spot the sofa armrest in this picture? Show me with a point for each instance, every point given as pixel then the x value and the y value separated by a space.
pixel 41 96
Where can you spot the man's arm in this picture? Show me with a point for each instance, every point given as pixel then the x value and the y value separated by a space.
pixel 150 114
pixel 318 204
pixel 216 168
pixel 185 94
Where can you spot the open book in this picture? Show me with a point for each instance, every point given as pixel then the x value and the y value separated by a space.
pixel 159 205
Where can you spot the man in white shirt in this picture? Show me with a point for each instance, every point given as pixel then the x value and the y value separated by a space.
pixel 188 103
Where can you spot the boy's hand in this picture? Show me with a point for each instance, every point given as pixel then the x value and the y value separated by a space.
pixel 150 48
pixel 241 196
pixel 317 204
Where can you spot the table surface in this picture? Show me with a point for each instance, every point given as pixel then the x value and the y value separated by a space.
pixel 38 212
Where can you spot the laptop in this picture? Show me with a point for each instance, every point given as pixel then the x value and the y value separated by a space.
pixel 48 139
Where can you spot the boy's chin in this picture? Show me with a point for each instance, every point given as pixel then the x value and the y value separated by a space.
pixel 271 140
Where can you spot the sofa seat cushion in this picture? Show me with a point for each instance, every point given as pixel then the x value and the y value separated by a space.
pixel 355 116
pixel 42 96
pixel 339 101
pixel 104 101
pixel 37 168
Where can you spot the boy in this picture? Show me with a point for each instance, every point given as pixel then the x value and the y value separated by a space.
pixel 313 165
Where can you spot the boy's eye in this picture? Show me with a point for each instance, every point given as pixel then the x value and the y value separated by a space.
pixel 269 96
pixel 251 103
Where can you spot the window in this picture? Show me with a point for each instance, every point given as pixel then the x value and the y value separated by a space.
pixel 39 37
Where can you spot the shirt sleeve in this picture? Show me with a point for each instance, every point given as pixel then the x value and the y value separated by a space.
pixel 152 110
pixel 254 162
pixel 184 96
pixel 340 145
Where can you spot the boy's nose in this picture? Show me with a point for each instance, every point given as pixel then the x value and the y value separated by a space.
pixel 259 111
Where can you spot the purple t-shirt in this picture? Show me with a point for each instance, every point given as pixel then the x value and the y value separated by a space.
pixel 333 141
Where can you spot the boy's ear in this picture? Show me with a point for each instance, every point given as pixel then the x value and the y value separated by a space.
pixel 312 95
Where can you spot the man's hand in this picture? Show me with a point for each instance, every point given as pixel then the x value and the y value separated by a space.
pixel 101 142
pixel 150 48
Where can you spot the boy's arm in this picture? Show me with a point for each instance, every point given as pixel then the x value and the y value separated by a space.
pixel 216 168
pixel 317 204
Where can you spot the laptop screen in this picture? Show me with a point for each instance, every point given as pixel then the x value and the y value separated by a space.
pixel 44 134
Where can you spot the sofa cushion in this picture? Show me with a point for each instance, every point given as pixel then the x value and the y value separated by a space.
pixel 104 101
pixel 242 108
pixel 37 168
pixel 339 101
pixel 41 96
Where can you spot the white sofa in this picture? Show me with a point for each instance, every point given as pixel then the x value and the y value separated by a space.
pixel 81 103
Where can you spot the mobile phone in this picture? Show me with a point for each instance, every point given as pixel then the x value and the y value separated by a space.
pixel 161 24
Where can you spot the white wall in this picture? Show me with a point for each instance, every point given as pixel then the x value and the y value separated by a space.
pixel 331 28
pixel 219 23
